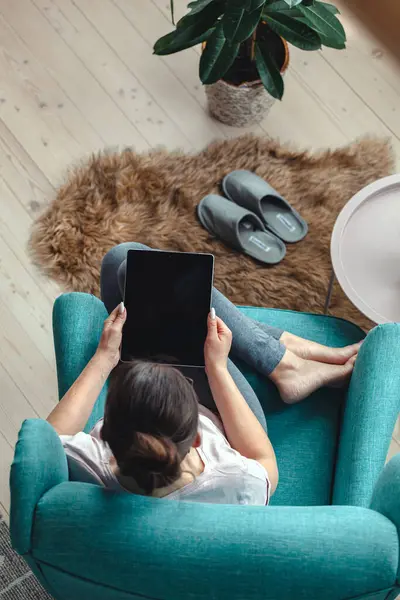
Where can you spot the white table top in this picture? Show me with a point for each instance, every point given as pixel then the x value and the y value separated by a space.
pixel 365 250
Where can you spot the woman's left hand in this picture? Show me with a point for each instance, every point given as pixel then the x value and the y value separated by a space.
pixel 110 341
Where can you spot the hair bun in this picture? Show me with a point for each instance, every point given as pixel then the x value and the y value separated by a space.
pixel 152 461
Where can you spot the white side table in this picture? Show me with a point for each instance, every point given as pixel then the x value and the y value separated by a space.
pixel 365 250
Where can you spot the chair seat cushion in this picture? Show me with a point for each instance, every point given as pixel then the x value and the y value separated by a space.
pixel 304 435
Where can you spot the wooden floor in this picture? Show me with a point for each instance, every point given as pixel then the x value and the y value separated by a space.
pixel 79 75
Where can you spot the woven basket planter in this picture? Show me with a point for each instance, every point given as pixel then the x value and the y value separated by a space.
pixel 240 105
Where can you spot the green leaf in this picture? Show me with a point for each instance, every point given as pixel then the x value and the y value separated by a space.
pixel 293 3
pixel 254 4
pixel 172 9
pixel 247 25
pixel 328 26
pixel 189 31
pixel 332 9
pixel 308 23
pixel 281 7
pixel 232 18
pixel 207 10
pixel 177 41
pixel 295 33
pixel 217 57
pixel 198 5
pixel 268 71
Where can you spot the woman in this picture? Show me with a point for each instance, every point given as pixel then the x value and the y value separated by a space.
pixel 156 439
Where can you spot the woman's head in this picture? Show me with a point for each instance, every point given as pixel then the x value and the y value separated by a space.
pixel 150 422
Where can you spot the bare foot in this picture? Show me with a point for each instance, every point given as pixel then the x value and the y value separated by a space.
pixel 297 378
pixel 313 351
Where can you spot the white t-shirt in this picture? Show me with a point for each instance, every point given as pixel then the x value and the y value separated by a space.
pixel 228 477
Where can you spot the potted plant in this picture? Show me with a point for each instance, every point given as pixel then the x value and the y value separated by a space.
pixel 245 50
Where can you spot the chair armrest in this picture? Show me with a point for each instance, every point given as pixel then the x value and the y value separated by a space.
pixel 170 549
pixel 372 407
pixel 39 464
pixel 386 495
pixel 77 325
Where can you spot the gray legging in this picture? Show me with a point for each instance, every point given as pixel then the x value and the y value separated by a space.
pixel 254 343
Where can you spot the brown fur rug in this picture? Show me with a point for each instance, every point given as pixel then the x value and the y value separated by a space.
pixel 151 198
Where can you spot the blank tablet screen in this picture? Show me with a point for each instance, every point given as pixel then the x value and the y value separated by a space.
pixel 167 298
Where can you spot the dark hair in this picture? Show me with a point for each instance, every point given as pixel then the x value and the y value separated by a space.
pixel 150 422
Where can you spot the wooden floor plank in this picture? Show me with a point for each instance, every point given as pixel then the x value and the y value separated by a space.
pixel 78 83
pixel 367 83
pixel 180 9
pixel 27 367
pixel 353 117
pixel 112 74
pixel 6 456
pixel 19 110
pixel 111 21
pixel 32 191
pixel 52 104
pixel 5 513
pixel 289 120
pixel 15 227
pixel 22 175
pixel 12 414
pixel 372 51
pixel 27 303
pixel 393 450
pixel 8 428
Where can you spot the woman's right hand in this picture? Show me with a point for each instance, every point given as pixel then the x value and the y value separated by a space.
pixel 218 344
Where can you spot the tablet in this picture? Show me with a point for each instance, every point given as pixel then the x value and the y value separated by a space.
pixel 167 298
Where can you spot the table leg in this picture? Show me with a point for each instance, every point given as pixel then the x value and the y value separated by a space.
pixel 329 293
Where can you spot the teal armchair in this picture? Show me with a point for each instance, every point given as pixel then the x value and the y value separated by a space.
pixel 330 533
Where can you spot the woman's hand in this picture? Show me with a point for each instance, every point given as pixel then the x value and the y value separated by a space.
pixel 110 341
pixel 73 411
pixel 218 343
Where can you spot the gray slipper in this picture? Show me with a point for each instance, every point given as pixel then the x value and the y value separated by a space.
pixel 240 229
pixel 250 191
